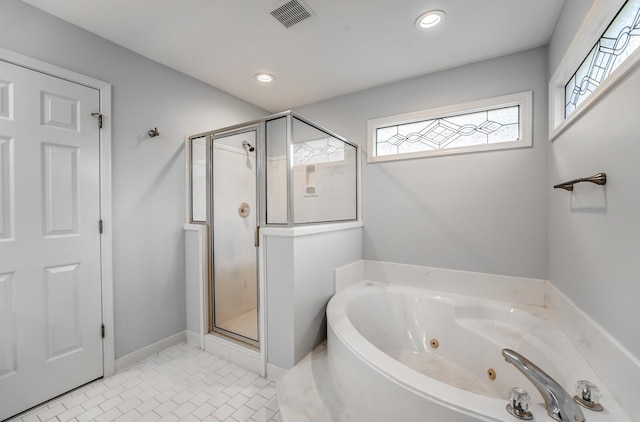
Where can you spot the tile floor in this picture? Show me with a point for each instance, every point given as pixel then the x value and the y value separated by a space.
pixel 182 383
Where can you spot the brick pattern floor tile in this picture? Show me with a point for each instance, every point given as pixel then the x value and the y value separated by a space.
pixel 182 383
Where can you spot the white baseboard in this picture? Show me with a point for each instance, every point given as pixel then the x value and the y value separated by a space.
pixel 130 359
pixel 236 353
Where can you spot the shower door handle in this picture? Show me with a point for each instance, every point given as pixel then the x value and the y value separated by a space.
pixel 257 238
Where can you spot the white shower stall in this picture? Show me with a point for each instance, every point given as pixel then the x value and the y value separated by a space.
pixel 267 199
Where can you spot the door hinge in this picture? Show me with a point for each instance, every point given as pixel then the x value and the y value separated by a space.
pixel 102 330
pixel 99 119
pixel 101 226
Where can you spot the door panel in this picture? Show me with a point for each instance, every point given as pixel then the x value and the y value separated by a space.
pixel 6 100
pixel 62 313
pixel 58 111
pixel 234 232
pixel 6 188
pixel 60 187
pixel 7 326
pixel 50 287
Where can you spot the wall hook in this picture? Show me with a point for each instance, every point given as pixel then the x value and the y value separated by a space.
pixel 153 132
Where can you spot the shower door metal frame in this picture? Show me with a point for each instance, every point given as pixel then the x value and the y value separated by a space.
pixel 211 138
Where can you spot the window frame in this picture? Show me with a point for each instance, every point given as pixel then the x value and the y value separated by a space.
pixel 524 100
pixel 600 16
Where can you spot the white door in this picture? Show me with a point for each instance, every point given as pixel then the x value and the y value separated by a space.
pixel 50 286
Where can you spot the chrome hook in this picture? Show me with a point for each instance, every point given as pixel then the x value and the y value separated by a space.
pixel 153 132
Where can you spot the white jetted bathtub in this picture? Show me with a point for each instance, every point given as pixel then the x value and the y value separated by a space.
pixel 407 354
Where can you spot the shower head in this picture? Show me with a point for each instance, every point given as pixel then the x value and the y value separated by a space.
pixel 247 146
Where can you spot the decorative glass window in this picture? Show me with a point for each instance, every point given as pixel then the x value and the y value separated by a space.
pixel 496 123
pixel 603 52
pixel 620 39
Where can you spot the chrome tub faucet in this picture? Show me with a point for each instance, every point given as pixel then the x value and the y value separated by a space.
pixel 560 405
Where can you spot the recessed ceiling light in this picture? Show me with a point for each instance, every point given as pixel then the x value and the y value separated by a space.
pixel 429 19
pixel 264 77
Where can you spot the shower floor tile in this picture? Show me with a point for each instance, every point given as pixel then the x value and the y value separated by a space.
pixel 245 324
pixel 180 384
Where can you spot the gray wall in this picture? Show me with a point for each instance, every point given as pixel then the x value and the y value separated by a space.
pixel 484 212
pixel 572 15
pixel 594 233
pixel 148 174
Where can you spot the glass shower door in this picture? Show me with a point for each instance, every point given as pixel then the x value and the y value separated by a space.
pixel 234 216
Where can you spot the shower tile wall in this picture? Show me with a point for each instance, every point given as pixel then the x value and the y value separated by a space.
pixel 332 198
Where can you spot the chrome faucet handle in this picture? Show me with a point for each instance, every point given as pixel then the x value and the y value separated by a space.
pixel 519 404
pixel 588 395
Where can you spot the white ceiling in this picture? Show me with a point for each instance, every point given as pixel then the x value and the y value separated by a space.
pixel 347 46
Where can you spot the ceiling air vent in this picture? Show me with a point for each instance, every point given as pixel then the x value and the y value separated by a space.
pixel 291 12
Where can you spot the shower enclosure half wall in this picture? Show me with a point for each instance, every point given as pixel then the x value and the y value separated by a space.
pixel 261 177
